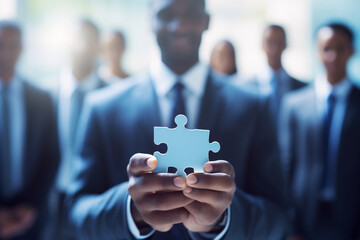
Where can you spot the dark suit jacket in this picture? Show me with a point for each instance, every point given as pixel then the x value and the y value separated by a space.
pixel 301 145
pixel 41 156
pixel 119 122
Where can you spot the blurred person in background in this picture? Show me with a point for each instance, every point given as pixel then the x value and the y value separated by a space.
pixel 114 195
pixel 113 48
pixel 274 80
pixel 76 81
pixel 223 59
pixel 320 141
pixel 29 153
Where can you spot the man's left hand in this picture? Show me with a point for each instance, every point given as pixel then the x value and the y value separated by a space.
pixel 213 192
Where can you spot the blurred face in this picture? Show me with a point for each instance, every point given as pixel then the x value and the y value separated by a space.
pixel 85 46
pixel 274 44
pixel 178 25
pixel 335 50
pixel 10 48
pixel 113 48
pixel 223 59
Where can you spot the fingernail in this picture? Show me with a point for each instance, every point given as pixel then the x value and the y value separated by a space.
pixel 151 162
pixel 208 167
pixel 188 190
pixel 179 182
pixel 191 179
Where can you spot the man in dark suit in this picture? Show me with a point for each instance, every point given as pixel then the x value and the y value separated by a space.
pixel 274 80
pixel 320 144
pixel 28 145
pixel 76 81
pixel 113 198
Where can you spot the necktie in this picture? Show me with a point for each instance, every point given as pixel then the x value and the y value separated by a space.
pixel 76 107
pixel 329 164
pixel 277 92
pixel 178 103
pixel 5 144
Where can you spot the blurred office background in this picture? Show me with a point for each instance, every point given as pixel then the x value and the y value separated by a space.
pixel 47 25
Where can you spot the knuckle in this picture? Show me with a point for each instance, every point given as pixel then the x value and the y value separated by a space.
pixel 183 216
pixel 228 182
pixel 228 200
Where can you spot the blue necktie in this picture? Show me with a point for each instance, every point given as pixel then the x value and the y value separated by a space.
pixel 328 182
pixel 178 103
pixel 5 144
pixel 76 107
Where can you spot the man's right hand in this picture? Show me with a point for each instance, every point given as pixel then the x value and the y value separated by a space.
pixel 157 198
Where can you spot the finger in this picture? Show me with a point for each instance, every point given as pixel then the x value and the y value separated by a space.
pixel 219 166
pixel 204 213
pixel 163 201
pixel 211 181
pixel 140 164
pixel 213 198
pixel 159 182
pixel 9 231
pixel 165 218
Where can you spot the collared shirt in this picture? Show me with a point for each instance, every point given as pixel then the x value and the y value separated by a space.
pixel 68 87
pixel 265 80
pixel 17 129
pixel 341 92
pixel 194 81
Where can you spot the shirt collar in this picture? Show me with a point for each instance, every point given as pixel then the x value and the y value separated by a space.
pixel 164 78
pixel 323 88
pixel 69 83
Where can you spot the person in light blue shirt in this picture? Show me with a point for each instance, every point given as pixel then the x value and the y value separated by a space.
pixel 29 151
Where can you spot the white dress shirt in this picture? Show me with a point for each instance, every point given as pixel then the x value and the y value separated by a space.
pixel 194 81
pixel 68 86
pixel 341 91
pixel 17 132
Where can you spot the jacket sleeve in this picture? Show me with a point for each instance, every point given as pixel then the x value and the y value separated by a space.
pixel 258 210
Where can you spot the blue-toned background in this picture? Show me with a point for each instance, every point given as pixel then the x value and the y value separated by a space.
pixel 47 23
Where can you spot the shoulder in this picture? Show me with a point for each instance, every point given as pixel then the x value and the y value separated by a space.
pixel 234 91
pixel 300 98
pixel 296 83
pixel 35 93
pixel 119 93
pixel 240 97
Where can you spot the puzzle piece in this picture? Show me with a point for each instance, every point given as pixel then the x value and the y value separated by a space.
pixel 186 148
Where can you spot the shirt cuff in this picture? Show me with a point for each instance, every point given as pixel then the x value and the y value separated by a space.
pixel 131 223
pixel 214 236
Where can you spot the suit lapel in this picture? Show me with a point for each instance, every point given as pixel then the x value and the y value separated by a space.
pixel 349 118
pixel 30 136
pixel 348 154
pixel 211 105
pixel 147 110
